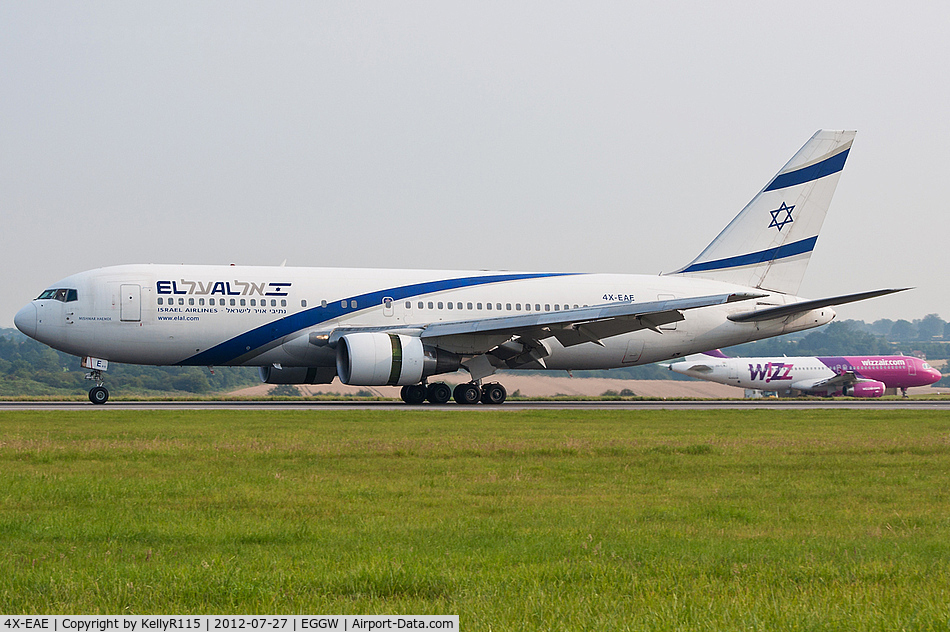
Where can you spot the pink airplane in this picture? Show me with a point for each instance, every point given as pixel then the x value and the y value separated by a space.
pixel 856 376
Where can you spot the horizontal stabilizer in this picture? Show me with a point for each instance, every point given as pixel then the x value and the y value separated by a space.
pixel 782 311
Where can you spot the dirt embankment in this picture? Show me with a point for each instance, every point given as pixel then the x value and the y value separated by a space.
pixel 537 386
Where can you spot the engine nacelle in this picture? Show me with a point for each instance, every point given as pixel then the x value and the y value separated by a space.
pixel 296 375
pixel 867 388
pixel 380 359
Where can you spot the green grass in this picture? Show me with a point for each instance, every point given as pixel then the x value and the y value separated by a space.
pixel 666 520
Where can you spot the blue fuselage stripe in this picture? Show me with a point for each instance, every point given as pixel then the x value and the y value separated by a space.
pixel 252 340
pixel 826 167
pixel 771 254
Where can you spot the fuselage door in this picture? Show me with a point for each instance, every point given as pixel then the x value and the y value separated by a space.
pixel 387 306
pixel 911 368
pixel 130 303
pixel 634 351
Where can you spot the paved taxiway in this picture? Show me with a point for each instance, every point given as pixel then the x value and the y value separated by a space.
pixel 842 404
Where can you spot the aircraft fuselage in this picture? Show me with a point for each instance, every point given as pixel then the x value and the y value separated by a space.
pixel 259 316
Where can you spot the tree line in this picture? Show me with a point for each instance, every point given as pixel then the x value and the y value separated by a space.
pixel 28 367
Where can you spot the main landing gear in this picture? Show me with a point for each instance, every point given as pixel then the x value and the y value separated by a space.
pixel 98 394
pixel 467 393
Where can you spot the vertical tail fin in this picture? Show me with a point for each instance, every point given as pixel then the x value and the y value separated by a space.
pixel 769 243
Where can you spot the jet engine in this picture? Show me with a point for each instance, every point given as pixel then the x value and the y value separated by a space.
pixel 867 388
pixel 296 375
pixel 380 359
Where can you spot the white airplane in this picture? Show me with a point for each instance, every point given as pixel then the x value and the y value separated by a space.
pixel 855 376
pixel 401 327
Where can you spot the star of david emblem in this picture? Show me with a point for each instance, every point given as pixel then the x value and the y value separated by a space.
pixel 780 223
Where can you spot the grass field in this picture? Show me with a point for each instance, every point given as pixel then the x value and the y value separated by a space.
pixel 665 520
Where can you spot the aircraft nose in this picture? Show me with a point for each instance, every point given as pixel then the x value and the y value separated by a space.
pixel 25 320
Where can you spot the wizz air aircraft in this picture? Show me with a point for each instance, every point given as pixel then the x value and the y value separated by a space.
pixel 402 327
pixel 857 376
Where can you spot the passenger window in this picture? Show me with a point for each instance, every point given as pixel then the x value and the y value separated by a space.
pixel 450 305
pixel 421 305
pixel 303 303
pixel 254 302
pixel 408 304
pixel 440 304
pixel 191 301
pixel 323 303
pixel 537 307
pixel 430 304
pixel 527 306
pixel 243 303
pixel 343 304
pixel 232 302
pixel 283 302
pixel 181 301
pixel 201 301
pixel 160 300
pixel 487 306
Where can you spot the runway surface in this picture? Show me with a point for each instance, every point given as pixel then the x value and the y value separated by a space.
pixel 788 404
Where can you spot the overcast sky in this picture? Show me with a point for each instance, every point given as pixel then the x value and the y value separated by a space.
pixel 606 137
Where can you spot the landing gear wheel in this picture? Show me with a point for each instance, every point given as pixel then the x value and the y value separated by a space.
pixel 98 395
pixel 494 393
pixel 438 393
pixel 467 393
pixel 413 394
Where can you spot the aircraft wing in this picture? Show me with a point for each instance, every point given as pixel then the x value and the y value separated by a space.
pixel 842 379
pixel 516 341
pixel 585 324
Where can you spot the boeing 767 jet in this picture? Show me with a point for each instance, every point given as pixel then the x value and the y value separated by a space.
pixel 375 327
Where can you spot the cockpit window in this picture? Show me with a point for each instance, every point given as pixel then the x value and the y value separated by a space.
pixel 64 295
